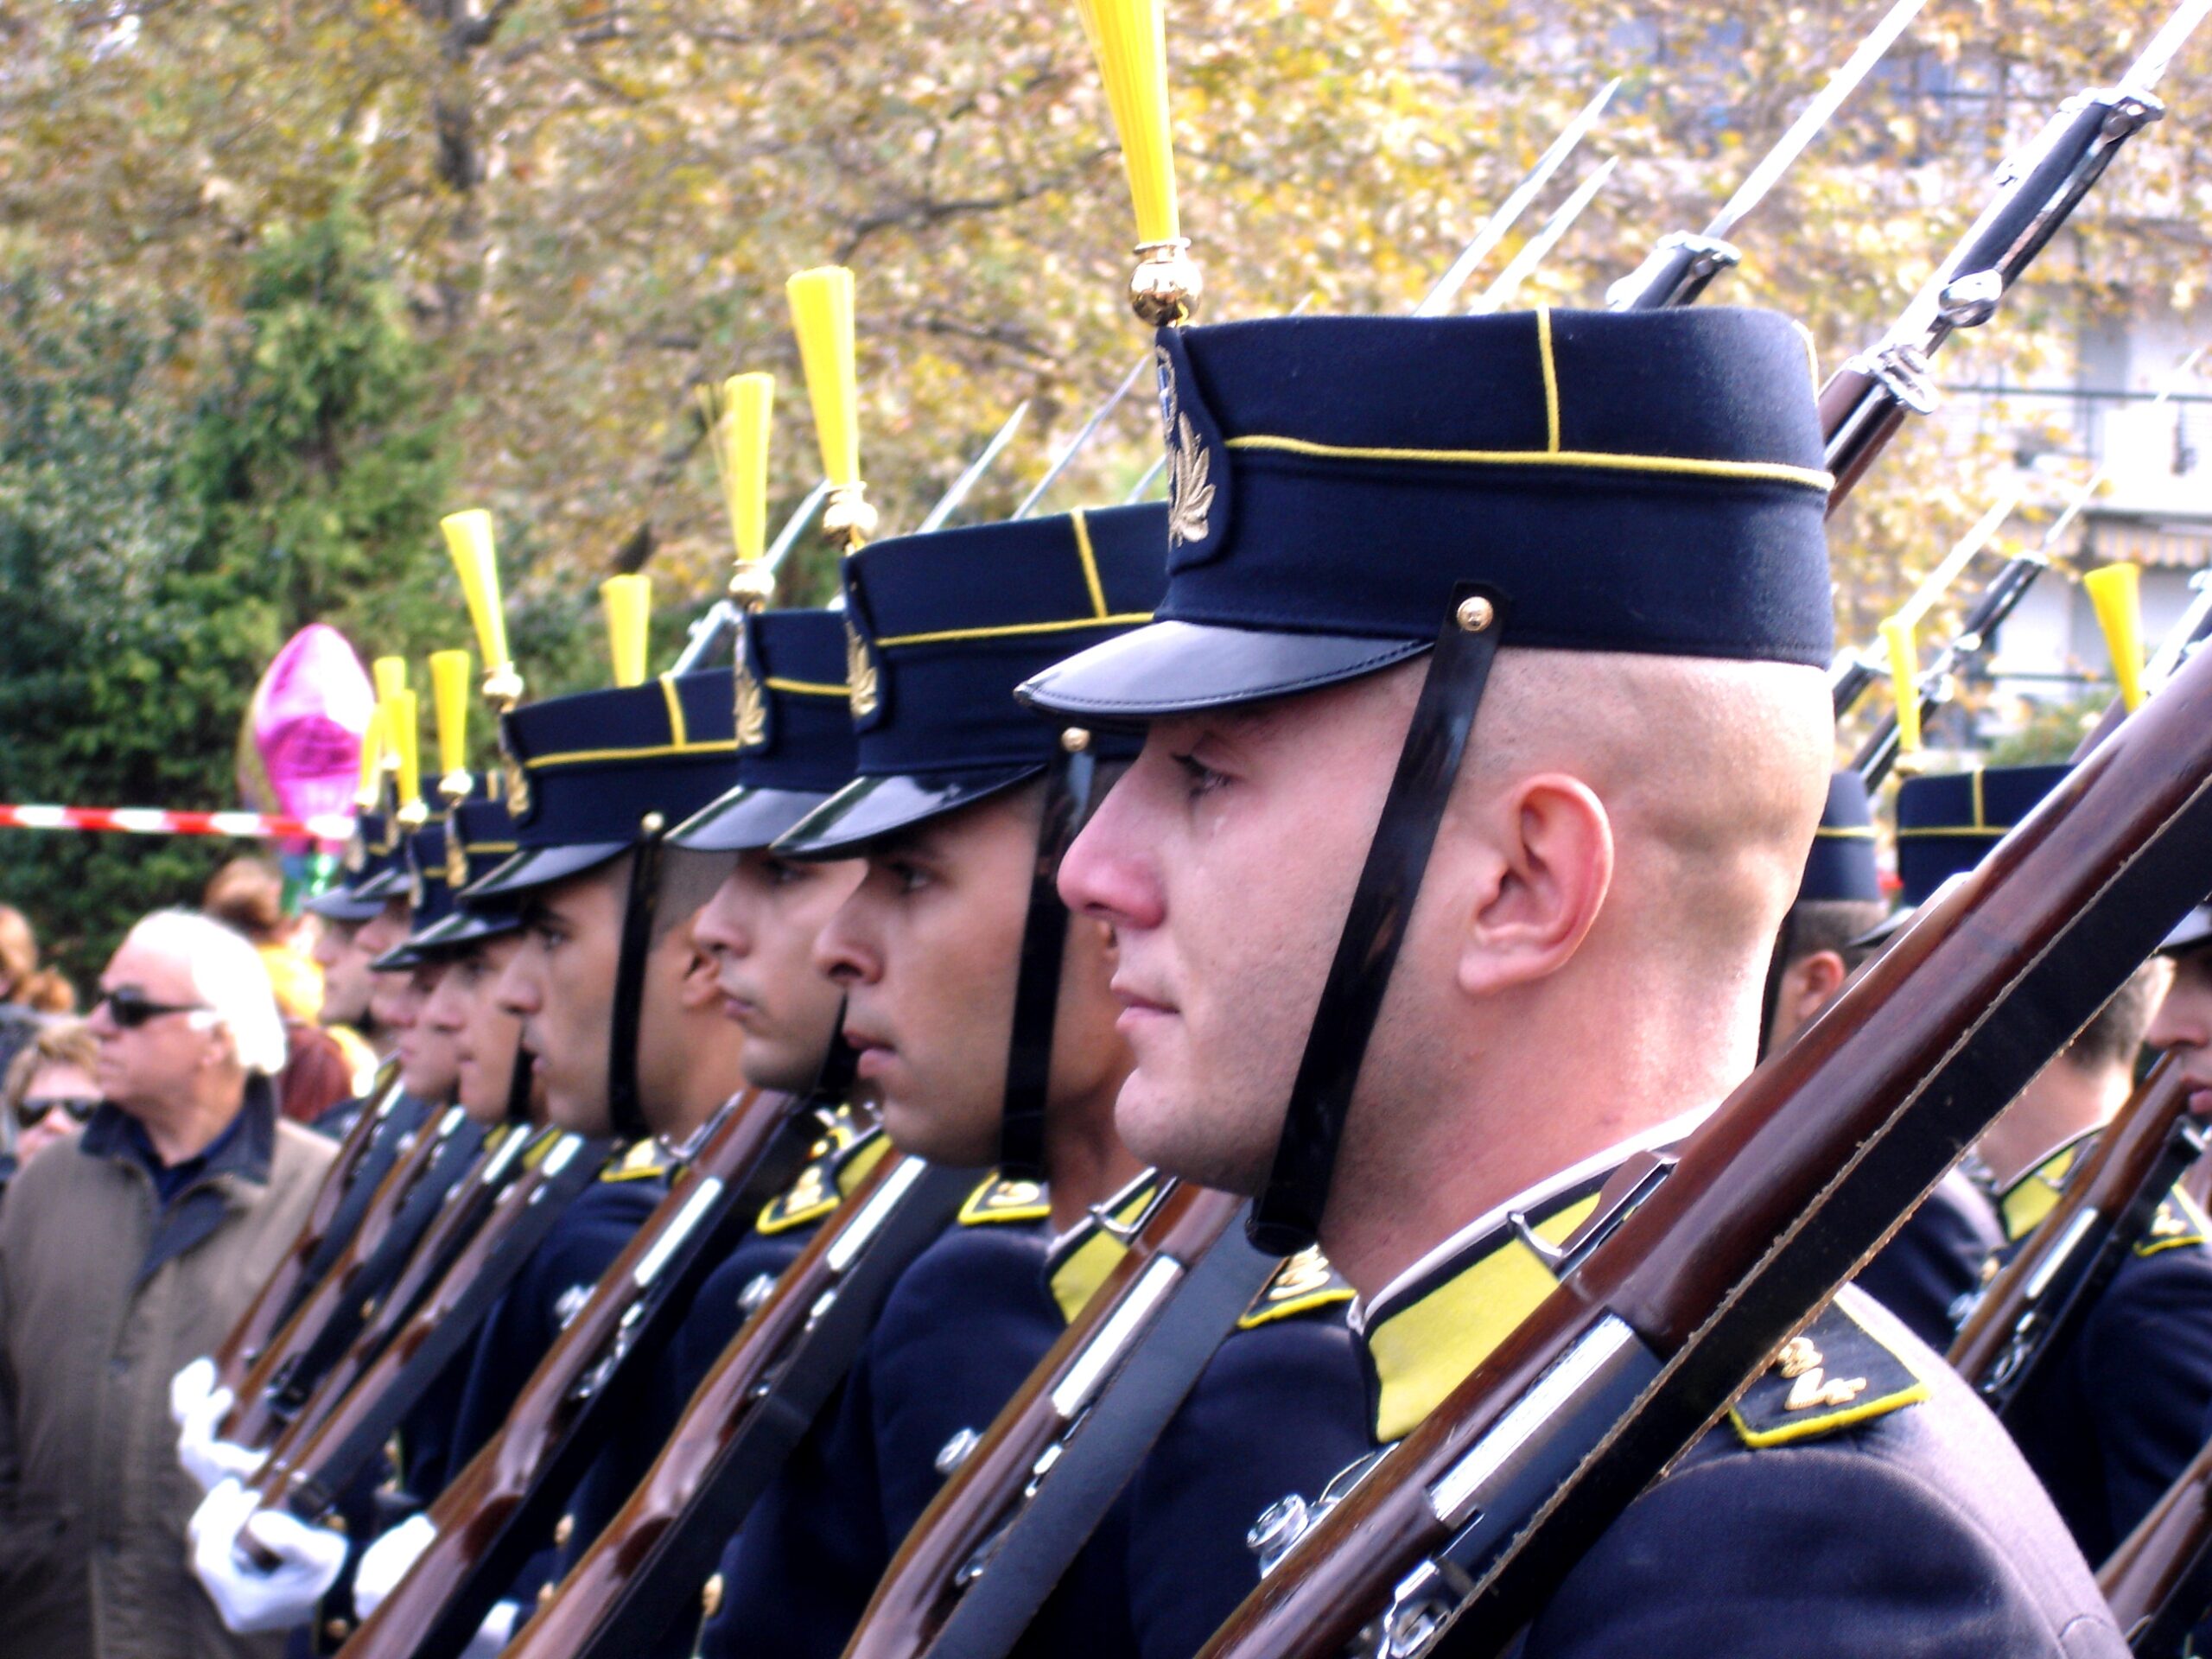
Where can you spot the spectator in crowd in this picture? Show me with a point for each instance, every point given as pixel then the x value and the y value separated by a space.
pixel 27 990
pixel 122 1258
pixel 49 1090
pixel 247 895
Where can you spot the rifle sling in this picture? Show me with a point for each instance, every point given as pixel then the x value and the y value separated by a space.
pixel 319 1484
pixel 376 1274
pixel 608 1390
pixel 665 1587
pixel 376 1163
pixel 1101 1451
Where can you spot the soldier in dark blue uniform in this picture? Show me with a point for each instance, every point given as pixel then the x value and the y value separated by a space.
pixel 946 813
pixel 1639 496
pixel 1936 1260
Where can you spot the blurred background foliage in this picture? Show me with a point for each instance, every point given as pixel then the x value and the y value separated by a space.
pixel 282 280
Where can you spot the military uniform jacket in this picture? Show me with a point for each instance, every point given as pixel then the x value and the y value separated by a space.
pixel 1857 1499
pixel 1282 1403
pixel 1935 1261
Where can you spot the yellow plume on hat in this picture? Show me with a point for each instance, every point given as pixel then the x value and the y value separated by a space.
pixel 468 539
pixel 2116 591
pixel 371 776
pixel 1129 39
pixel 629 601
pixel 821 317
pixel 738 420
pixel 450 701
pixel 407 741
pixel 1904 682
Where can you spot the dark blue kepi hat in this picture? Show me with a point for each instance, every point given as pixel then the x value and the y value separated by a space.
pixel 942 628
pixel 591 777
pixel 1947 821
pixel 794 732
pixel 1646 482
pixel 430 899
pixel 1840 867
pixel 374 870
pixel 479 835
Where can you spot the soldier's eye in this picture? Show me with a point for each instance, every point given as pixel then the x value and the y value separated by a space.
pixel 1199 778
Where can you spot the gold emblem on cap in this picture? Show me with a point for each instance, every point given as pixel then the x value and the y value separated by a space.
pixel 1190 470
pixel 357 853
pixel 456 859
pixel 414 890
pixel 518 789
pixel 751 710
pixel 860 673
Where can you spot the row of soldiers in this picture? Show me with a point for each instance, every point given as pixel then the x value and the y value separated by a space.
pixel 979 1126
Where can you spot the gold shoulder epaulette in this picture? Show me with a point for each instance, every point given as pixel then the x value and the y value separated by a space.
pixel 2179 1222
pixel 1001 1198
pixel 1834 1374
pixel 643 1162
pixel 835 1166
pixel 1302 1283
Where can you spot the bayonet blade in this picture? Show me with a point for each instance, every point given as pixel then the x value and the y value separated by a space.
pixel 1938 581
pixel 2150 66
pixel 1815 115
pixel 1493 229
pixel 1089 430
pixel 1539 246
pixel 950 500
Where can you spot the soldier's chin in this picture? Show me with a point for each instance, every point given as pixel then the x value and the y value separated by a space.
pixel 1175 1132
pixel 577 1112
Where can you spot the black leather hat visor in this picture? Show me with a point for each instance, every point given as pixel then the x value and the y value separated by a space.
pixel 869 809
pixel 2194 931
pixel 745 820
pixel 1180 668
pixel 390 882
pixel 539 866
pixel 340 905
pixel 399 959
pixel 462 927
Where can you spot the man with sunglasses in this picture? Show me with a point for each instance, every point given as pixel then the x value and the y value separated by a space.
pixel 121 1259
pixel 50 1090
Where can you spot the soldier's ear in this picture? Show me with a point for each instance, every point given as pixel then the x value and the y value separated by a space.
pixel 1544 869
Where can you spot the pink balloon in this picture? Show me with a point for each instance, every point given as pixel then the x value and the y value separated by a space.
pixel 310 712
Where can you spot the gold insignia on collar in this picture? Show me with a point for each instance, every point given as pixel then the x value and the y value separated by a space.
pixel 1003 1199
pixel 859 674
pixel 1805 1367
pixel 457 862
pixel 1190 469
pixel 752 708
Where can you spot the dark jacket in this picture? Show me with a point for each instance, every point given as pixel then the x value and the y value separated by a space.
pixel 105 1293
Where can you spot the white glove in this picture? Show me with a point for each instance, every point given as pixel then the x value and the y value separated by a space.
pixel 388 1561
pixel 494 1633
pixel 189 1390
pixel 206 1459
pixel 252 1598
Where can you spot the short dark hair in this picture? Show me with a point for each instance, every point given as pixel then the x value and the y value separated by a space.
pixel 2114 1035
pixel 1818 924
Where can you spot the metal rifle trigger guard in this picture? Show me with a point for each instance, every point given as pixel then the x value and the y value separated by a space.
pixel 1287 1216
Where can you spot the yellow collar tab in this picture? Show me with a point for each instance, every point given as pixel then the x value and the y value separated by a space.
pixel 1081 1258
pixel 838 1162
pixel 1001 1198
pixel 2179 1222
pixel 1839 1372
pixel 644 1161
pixel 2035 1195
pixel 1303 1283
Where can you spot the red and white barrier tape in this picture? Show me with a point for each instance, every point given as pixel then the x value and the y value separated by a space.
pixel 152 821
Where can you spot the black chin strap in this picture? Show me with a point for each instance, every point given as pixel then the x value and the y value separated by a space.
pixel 1286 1217
pixel 519 1085
pixel 1068 785
pixel 840 1062
pixel 624 1110
pixel 1777 964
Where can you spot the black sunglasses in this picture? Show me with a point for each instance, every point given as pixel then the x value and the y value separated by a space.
pixel 130 1008
pixel 31 1113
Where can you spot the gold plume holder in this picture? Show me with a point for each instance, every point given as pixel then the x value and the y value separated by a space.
pixel 1165 286
pixel 848 519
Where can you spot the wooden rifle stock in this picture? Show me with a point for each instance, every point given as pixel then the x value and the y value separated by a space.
pixel 620 1593
pixel 467 1205
pixel 499 1508
pixel 2075 1249
pixel 1457 1537
pixel 305 1480
pixel 2159 1581
pixel 921 1587
pixel 273 1304
pixel 255 1419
